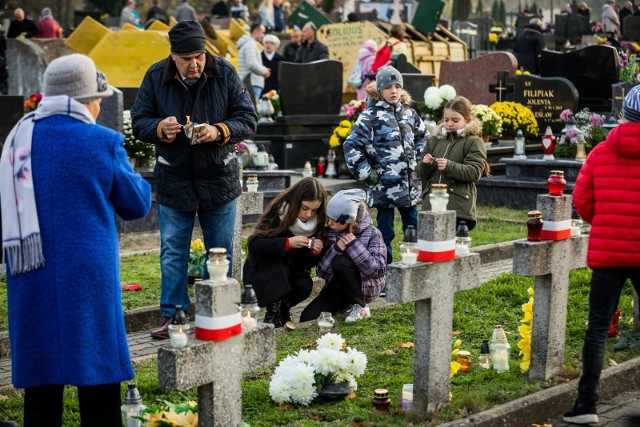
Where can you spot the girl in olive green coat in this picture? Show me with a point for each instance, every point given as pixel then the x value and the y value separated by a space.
pixel 455 155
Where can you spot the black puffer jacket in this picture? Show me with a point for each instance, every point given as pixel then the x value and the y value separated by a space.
pixel 205 175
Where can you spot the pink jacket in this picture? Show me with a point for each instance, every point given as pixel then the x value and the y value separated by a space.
pixel 607 195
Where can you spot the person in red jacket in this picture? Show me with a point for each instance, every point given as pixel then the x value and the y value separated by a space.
pixel 607 195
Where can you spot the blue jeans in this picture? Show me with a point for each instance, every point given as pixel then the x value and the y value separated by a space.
pixel 257 90
pixel 606 286
pixel 176 228
pixel 384 218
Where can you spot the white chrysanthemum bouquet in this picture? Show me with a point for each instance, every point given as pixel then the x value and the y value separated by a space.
pixel 300 377
pixel 435 98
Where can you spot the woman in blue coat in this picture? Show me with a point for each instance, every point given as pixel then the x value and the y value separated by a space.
pixel 63 179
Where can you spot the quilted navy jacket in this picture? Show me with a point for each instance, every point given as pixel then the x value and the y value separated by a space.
pixel 188 176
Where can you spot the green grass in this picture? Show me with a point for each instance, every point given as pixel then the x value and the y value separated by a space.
pixel 390 365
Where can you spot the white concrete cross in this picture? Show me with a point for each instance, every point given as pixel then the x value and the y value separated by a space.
pixel 550 261
pixel 397 7
pixel 216 367
pixel 431 286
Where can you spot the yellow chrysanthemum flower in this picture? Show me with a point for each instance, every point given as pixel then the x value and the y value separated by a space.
pixel 334 141
pixel 457 343
pixel 454 352
pixel 197 245
pixel 530 291
pixel 345 124
pixel 524 367
pixel 455 367
pixel 343 133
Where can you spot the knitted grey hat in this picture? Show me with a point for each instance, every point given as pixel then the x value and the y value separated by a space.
pixel 75 75
pixel 343 206
pixel 631 106
pixel 386 76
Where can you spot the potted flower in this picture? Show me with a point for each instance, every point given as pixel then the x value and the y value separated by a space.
pixel 435 99
pixel 491 121
pixel 197 255
pixel 516 116
pixel 140 153
pixel 590 124
pixel 300 378
pixel 274 98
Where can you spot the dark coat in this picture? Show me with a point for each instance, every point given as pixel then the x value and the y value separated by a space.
pixel 188 176
pixel 528 50
pixel 269 267
pixel 309 52
pixel 271 82
pixel 220 9
pixel 290 51
pixel 26 26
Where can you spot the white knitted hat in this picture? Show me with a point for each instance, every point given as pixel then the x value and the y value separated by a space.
pixel 75 75
pixel 343 206
pixel 271 38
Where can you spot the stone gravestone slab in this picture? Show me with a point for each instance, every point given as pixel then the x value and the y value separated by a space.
pixel 592 69
pixel 546 97
pixel 111 111
pixel 472 78
pixel 619 91
pixel 12 108
pixel 631 28
pixel 484 25
pixel 310 89
pixel 468 32
pixel 128 96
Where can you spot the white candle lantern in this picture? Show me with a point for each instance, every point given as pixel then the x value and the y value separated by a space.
pixel 325 322
pixel 249 308
pixel 463 241
pixel 499 348
pixel 132 408
pixel 179 328
pixel 252 184
pixel 409 246
pixel 218 264
pixel 438 198
pixel 519 147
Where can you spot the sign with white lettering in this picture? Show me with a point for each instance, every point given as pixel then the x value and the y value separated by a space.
pixel 546 97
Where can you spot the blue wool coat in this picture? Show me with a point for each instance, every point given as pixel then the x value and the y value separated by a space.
pixel 65 319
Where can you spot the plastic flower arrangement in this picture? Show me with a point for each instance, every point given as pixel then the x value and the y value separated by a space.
pixel 273 96
pixel 628 67
pixel 142 152
pixel 32 103
pixel 516 116
pixel 491 121
pixel 455 365
pixel 352 110
pixel 435 98
pixel 590 124
pixel 525 332
pixel 300 377
pixel 171 415
pixel 197 255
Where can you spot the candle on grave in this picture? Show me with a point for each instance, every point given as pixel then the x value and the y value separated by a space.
pixel 218 264
pixel 249 322
pixel 409 246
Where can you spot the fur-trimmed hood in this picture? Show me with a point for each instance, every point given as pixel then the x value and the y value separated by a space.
pixel 372 93
pixel 473 128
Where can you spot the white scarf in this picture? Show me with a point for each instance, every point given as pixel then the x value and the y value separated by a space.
pixel 300 228
pixel 21 239
pixel 270 55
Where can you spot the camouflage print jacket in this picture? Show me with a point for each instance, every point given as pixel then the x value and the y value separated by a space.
pixel 382 149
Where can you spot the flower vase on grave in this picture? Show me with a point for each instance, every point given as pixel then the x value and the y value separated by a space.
pixel 548 144
pixel 581 154
pixel 331 165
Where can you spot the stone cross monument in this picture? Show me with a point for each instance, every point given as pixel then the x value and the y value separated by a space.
pixel 550 262
pixel 216 367
pixel 431 286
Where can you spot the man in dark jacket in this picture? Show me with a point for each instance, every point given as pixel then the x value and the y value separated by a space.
pixel 21 26
pixel 193 175
pixel 291 48
pixel 529 46
pixel 311 49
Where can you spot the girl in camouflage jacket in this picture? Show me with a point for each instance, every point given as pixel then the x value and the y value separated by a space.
pixel 382 150
pixel 455 155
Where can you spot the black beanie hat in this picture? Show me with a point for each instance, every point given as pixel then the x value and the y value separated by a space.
pixel 186 37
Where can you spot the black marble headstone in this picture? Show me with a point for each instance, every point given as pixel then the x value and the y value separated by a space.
pixel 631 28
pixel 592 69
pixel 128 96
pixel 12 108
pixel 619 91
pixel 546 97
pixel 310 89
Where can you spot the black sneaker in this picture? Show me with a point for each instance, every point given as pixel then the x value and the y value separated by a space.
pixel 581 414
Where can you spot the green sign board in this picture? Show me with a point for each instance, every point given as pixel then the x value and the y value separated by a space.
pixel 305 13
pixel 427 15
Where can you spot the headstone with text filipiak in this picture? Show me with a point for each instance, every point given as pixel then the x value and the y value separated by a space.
pixel 546 97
